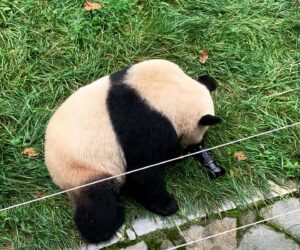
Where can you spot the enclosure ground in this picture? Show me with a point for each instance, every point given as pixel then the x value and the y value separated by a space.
pixel 282 232
pixel 48 49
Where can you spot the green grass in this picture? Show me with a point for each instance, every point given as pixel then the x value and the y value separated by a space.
pixel 50 48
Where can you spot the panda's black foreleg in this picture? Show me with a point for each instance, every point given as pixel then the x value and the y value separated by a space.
pixel 148 188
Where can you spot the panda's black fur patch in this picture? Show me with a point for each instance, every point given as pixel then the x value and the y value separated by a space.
pixel 208 120
pixel 146 137
pixel 119 75
pixel 210 82
pixel 98 214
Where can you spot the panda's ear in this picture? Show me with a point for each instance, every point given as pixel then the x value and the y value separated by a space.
pixel 210 82
pixel 209 120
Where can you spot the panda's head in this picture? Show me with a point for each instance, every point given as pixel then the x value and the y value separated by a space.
pixel 203 115
pixel 186 103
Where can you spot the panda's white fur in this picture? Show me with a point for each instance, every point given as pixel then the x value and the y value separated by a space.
pixel 170 91
pixel 82 143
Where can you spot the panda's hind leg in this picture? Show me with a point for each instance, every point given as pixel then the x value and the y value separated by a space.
pixel 148 188
pixel 98 214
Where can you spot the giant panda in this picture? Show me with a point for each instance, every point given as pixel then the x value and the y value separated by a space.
pixel 141 115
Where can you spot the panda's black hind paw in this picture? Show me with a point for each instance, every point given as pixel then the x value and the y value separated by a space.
pixel 163 205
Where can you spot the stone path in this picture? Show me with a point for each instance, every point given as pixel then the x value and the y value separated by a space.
pixel 222 242
pixel 263 237
pixel 139 246
pixel 291 223
pixel 282 233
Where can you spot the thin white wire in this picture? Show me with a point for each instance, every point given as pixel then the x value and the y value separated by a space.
pixel 234 229
pixel 146 167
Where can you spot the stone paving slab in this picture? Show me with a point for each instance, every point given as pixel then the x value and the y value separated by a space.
pixel 223 242
pixel 166 244
pixel 247 217
pixel 131 235
pixel 145 226
pixel 139 246
pixel 276 190
pixel 114 240
pixel 263 238
pixel 290 222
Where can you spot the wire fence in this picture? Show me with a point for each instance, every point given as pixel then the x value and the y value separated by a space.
pixel 147 167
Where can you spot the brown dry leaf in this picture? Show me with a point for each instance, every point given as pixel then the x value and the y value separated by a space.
pixel 240 156
pixel 31 152
pixel 204 56
pixel 92 6
pixel 39 194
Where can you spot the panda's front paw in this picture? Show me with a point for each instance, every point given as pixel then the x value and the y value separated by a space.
pixel 163 204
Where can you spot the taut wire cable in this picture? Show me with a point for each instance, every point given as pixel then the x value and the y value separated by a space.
pixel 147 167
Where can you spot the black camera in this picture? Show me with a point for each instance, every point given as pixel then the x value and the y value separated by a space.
pixel 206 160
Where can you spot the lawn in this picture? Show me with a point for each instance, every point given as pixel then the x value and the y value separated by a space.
pixel 48 49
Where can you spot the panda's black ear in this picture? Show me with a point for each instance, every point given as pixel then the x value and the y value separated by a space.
pixel 210 82
pixel 209 120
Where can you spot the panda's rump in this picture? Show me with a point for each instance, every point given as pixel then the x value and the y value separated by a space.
pixel 80 142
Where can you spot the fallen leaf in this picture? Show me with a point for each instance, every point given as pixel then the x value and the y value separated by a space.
pixel 92 6
pixel 31 152
pixel 39 194
pixel 240 156
pixel 204 56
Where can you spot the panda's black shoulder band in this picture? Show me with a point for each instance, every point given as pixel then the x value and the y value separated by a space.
pixel 119 76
